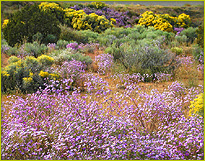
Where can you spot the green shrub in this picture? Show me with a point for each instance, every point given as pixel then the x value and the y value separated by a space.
pixel 35 49
pixel 69 34
pixel 29 21
pixel 50 38
pixel 12 51
pixel 197 51
pixel 87 36
pixel 60 56
pixel 62 44
pixel 37 37
pixel 79 57
pixel 177 50
pixel 190 33
pixel 138 49
pixel 125 35
pixel 181 39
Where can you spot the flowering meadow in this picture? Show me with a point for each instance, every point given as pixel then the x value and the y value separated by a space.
pixel 104 83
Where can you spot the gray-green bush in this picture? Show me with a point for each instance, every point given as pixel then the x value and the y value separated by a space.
pixel 190 33
pixel 67 55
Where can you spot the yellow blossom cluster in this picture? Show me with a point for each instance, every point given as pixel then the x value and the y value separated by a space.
pixel 54 76
pixel 197 105
pixel 43 74
pixel 97 5
pixel 27 80
pixel 164 22
pixel 81 21
pixel 5 73
pixel 6 21
pixel 50 6
pixel 183 20
pixel 26 71
pixel 45 60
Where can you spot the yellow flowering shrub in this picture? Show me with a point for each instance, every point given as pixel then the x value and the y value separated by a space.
pixel 183 20
pixel 45 60
pixel 5 73
pixel 43 74
pixel 155 20
pixel 170 19
pixel 27 80
pixel 197 105
pixel 31 74
pixel 164 22
pixel 97 5
pixel 54 76
pixel 54 8
pixel 26 74
pixel 79 20
pixel 46 6
pixel 6 21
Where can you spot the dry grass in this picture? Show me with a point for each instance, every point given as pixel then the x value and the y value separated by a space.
pixel 4 60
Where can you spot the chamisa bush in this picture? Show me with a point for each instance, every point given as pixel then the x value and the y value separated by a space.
pixel 29 21
pixel 79 20
pixel 164 22
pixel 197 106
pixel 25 74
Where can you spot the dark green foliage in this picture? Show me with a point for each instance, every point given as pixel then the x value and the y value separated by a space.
pixel 29 21
pixel 37 37
pixel 200 35
pixel 50 38
pixel 69 34
pixel 83 36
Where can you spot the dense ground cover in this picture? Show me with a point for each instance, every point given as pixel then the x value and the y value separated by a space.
pixel 107 83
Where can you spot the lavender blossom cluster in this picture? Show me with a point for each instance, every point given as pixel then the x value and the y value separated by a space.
pixel 71 69
pixel 73 46
pixel 178 30
pixel 135 78
pixel 129 124
pixel 122 18
pixel 104 62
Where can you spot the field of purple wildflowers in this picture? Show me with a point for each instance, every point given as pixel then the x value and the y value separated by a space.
pixel 129 93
